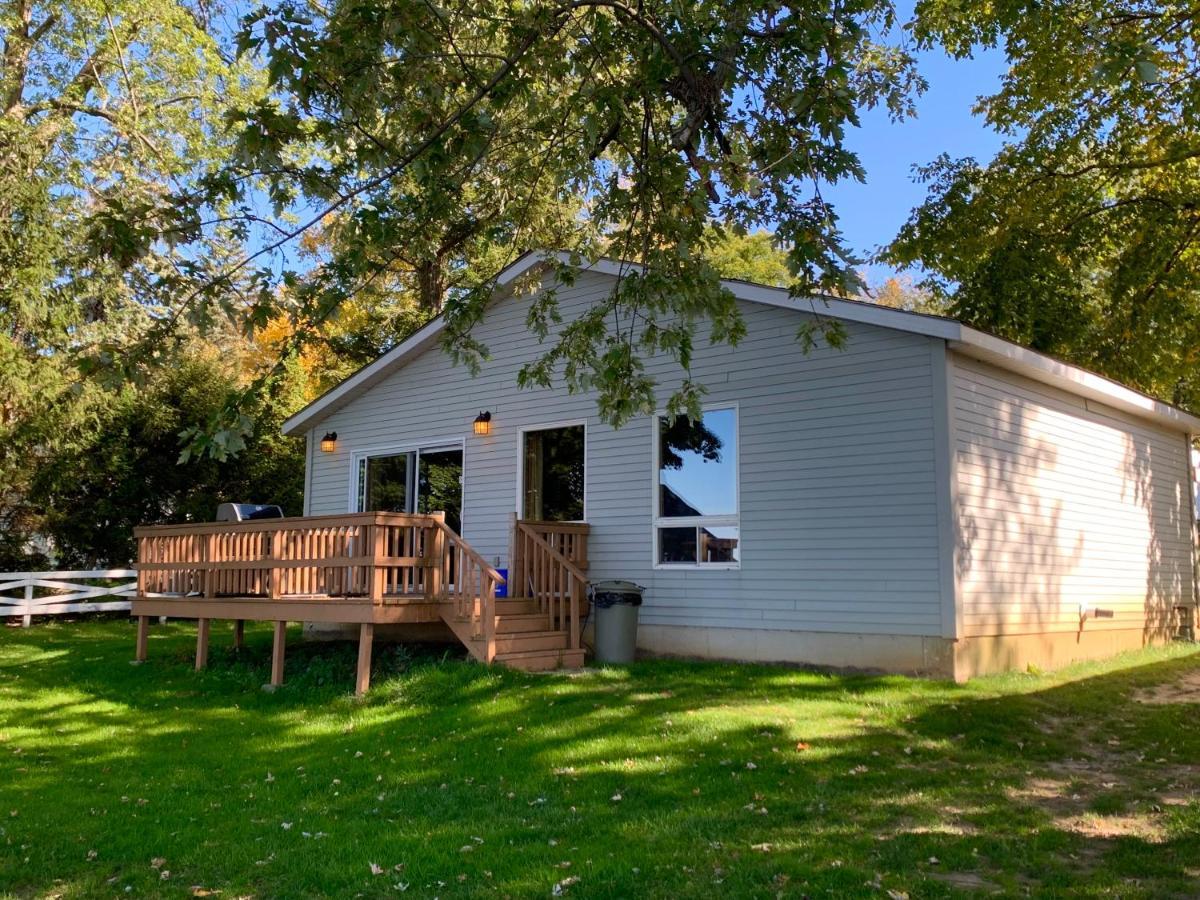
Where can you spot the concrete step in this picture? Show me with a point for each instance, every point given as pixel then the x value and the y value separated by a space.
pixel 512 623
pixel 542 660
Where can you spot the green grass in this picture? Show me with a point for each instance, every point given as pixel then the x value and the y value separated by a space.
pixel 665 779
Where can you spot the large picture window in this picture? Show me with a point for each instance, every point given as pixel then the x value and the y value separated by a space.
pixel 696 507
pixel 552 474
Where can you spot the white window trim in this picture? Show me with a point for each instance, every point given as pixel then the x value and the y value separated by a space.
pixel 658 521
pixel 549 426
pixel 356 458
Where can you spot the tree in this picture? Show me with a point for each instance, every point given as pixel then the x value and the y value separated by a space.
pixel 444 139
pixel 750 257
pixel 106 111
pixel 1082 237
pixel 899 292
pixel 100 481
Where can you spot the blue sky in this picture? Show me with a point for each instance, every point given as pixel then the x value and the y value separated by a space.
pixel 870 214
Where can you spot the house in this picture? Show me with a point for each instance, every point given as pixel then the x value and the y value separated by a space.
pixel 928 499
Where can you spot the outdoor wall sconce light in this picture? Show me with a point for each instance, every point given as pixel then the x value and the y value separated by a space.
pixel 329 442
pixel 483 423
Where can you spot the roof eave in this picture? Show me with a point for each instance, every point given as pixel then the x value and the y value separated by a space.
pixel 1047 370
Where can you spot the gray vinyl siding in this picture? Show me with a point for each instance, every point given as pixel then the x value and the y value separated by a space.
pixel 838 507
pixel 1063 502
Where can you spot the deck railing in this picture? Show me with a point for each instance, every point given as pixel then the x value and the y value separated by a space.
pixel 568 538
pixel 470 583
pixel 549 565
pixel 362 556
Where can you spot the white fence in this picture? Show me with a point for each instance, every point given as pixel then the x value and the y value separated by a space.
pixel 29 594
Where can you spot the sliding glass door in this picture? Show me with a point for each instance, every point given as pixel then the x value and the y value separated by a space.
pixel 439 484
pixel 428 479
pixel 383 483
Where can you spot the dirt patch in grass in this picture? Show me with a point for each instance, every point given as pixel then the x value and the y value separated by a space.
pixel 1111 793
pixel 1052 794
pixel 1185 689
pixel 952 827
pixel 1145 827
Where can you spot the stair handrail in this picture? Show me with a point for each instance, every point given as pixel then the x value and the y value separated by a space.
pixel 478 582
pixel 545 602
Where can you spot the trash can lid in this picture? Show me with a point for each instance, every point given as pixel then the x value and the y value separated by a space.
pixel 617 587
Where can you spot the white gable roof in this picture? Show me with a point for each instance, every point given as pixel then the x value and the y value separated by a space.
pixel 959 337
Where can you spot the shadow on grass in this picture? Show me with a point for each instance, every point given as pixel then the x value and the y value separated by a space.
pixel 661 779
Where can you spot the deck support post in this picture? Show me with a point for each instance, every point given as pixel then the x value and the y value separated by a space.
pixel 202 627
pixel 366 637
pixel 143 634
pixel 277 653
pixel 239 634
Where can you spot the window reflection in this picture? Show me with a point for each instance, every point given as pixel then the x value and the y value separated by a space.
pixel 554 474
pixel 698 465
pixel 385 483
pixel 697 490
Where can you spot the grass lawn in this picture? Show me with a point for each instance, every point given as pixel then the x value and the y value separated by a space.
pixel 665 779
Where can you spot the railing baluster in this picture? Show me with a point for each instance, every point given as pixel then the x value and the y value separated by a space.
pixel 549 565
pixel 576 589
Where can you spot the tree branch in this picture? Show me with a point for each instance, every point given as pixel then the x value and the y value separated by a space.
pixel 390 172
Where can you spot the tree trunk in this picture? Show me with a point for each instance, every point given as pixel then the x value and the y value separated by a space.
pixel 431 284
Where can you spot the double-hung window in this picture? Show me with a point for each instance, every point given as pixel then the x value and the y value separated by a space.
pixel 696 486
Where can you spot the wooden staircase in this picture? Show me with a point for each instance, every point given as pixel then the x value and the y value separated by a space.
pixel 534 632
pixel 523 638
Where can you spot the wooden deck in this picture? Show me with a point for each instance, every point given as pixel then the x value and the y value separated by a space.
pixel 368 569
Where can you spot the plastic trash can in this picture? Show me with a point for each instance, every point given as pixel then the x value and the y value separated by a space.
pixel 616 605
